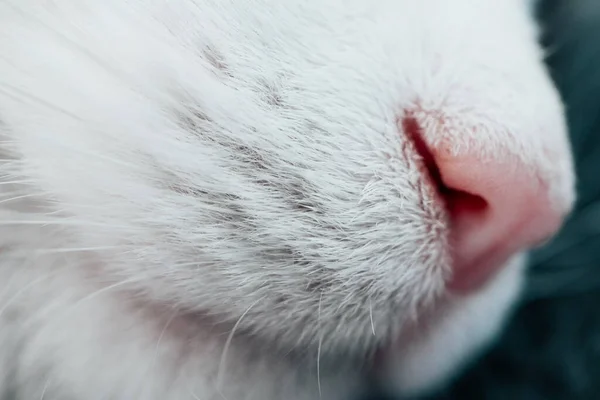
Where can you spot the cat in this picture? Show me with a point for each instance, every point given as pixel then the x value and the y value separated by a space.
pixel 261 200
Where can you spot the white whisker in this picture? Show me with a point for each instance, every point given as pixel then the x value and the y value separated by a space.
pixel 371 316
pixel 74 249
pixel 44 389
pixel 59 222
pixel 19 182
pixel 21 291
pixel 319 347
pixel 162 333
pixel 227 345
pixel 93 295
pixel 194 396
pixel 155 358
pixel 20 95
pixel 20 197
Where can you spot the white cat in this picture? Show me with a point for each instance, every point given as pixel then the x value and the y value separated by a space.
pixel 266 199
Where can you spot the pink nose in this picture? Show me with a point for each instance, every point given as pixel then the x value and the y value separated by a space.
pixel 497 208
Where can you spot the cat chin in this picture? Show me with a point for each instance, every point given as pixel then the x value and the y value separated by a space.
pixel 429 354
pixel 453 336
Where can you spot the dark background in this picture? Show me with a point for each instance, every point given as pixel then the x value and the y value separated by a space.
pixel 551 349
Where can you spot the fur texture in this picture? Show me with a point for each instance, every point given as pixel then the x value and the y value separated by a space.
pixel 207 199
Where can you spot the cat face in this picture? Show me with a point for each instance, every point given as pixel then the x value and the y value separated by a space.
pixel 328 170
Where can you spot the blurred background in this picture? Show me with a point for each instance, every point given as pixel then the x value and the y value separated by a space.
pixel 551 349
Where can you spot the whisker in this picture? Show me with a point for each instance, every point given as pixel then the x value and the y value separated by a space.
pixel 155 358
pixel 371 316
pixel 58 222
pixel 21 197
pixel 19 95
pixel 93 295
pixel 162 333
pixel 186 264
pixel 227 345
pixel 44 389
pixel 319 347
pixel 19 182
pixel 20 292
pixel 194 395
pixel 74 250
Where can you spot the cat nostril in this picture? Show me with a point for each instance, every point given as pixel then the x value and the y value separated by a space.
pixel 502 208
pixel 496 207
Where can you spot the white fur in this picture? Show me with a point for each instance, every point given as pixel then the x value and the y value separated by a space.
pixel 214 198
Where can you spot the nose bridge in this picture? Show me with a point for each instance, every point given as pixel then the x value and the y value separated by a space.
pixel 493 113
pixel 461 130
